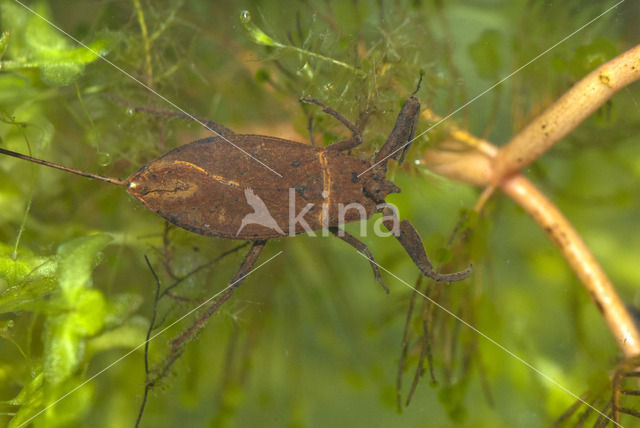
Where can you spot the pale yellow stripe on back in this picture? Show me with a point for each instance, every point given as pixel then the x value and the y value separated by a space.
pixel 326 181
pixel 217 178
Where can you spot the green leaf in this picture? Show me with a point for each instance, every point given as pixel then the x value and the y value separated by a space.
pixel 29 399
pixel 120 307
pixel 37 44
pixel 74 406
pixel 62 67
pixel 76 261
pixel 257 35
pixel 28 391
pixel 64 349
pixel 60 74
pixel 90 312
pixel 86 307
pixel 24 280
pixel 16 270
pixel 129 335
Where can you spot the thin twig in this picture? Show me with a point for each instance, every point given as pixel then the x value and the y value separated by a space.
pixel 425 349
pixel 176 350
pixel 211 262
pixel 148 385
pixel 405 344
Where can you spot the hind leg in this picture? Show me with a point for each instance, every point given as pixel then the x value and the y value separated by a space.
pixel 408 237
pixel 360 246
pixel 209 124
pixel 339 146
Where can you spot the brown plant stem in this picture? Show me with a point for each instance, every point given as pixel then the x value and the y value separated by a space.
pixel 574 250
pixel 564 115
pixel 472 160
pixel 473 167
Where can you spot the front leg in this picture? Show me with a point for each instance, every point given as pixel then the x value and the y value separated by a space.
pixel 360 246
pixel 339 146
pixel 401 137
pixel 408 237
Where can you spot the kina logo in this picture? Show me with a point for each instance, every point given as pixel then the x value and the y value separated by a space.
pixel 260 214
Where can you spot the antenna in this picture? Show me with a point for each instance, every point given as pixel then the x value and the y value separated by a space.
pixel 111 180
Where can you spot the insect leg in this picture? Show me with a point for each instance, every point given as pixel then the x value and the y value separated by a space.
pixel 218 128
pixel 408 237
pixel 399 140
pixel 248 262
pixel 360 246
pixel 339 146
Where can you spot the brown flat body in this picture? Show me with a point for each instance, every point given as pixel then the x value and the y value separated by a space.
pixel 202 187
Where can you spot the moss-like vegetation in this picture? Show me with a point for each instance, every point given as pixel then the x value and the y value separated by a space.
pixel 309 339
